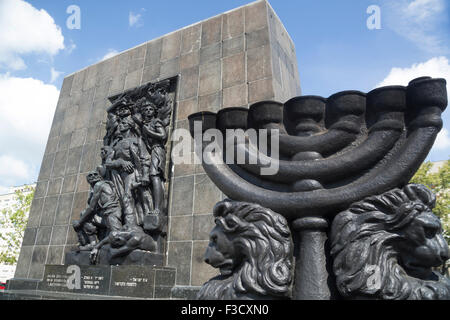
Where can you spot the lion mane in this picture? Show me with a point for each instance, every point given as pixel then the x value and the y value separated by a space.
pixel 366 256
pixel 263 240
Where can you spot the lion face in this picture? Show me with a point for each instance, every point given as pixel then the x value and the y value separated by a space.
pixel 424 246
pixel 221 252
pixel 397 235
pixel 252 248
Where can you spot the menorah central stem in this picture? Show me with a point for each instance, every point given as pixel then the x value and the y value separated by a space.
pixel 311 261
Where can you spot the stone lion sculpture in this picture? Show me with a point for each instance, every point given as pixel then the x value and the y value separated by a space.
pixel 253 249
pixel 385 247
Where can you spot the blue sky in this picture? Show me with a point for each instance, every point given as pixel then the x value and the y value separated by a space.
pixel 335 50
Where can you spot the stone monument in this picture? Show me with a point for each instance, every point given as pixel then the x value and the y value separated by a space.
pixel 112 214
pixel 315 205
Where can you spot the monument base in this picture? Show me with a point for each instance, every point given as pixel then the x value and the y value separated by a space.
pixel 72 282
pixel 137 257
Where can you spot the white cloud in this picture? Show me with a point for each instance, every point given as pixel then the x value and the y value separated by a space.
pixel 14 172
pixel 423 10
pixel 12 168
pixel 437 67
pixel 111 53
pixel 424 22
pixel 27 106
pixel 26 30
pixel 135 19
pixel 442 140
pixel 55 75
pixel 72 46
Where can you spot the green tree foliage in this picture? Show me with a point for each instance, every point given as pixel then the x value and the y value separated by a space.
pixel 13 222
pixel 439 183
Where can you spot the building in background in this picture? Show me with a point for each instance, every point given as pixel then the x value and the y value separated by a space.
pixel 6 273
pixel 7 201
pixel 436 166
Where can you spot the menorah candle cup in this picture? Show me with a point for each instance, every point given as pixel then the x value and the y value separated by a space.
pixel 232 118
pixel 266 115
pixel 385 108
pixel 207 119
pixel 426 91
pixel 345 110
pixel 303 116
pixel 426 99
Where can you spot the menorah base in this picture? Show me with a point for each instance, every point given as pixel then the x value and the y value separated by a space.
pixel 313 276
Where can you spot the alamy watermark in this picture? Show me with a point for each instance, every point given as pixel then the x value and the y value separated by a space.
pixel 74 20
pixel 373 282
pixel 74 279
pixel 212 147
pixel 374 20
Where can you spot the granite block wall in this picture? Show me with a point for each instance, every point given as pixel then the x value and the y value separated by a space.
pixel 232 60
